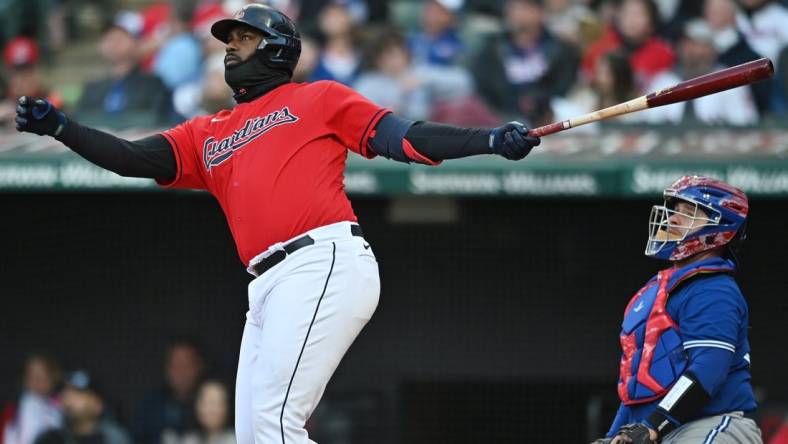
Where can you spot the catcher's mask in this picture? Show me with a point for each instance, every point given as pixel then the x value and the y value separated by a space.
pixel 716 216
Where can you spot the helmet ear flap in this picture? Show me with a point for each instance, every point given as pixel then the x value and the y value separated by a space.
pixel 740 237
pixel 741 233
pixel 734 247
pixel 277 57
pixel 281 52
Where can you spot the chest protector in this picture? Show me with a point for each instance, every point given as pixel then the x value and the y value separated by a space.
pixel 653 357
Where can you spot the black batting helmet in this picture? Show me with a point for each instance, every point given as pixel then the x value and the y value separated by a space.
pixel 281 45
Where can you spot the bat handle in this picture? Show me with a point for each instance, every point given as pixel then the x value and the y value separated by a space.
pixel 549 129
pixel 627 107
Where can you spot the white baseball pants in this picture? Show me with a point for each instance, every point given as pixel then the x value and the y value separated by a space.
pixel 303 315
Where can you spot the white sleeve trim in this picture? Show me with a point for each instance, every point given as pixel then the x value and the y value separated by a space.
pixel 710 343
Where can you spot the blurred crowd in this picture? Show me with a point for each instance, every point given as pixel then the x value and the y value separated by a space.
pixel 463 62
pixel 54 405
pixel 72 407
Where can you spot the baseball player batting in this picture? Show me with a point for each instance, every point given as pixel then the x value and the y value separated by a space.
pixel 275 163
pixel 685 362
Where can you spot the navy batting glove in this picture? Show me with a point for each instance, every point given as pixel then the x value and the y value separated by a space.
pixel 512 141
pixel 38 116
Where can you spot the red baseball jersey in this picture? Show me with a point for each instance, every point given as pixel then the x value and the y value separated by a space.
pixel 276 164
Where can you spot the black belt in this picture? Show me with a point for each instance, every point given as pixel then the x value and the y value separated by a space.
pixel 291 247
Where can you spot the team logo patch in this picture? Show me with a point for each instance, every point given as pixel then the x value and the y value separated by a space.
pixel 214 152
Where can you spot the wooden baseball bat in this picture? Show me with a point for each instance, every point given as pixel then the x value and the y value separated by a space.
pixel 704 85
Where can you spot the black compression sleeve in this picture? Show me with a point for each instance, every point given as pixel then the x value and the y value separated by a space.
pixel 151 157
pixel 684 402
pixel 439 142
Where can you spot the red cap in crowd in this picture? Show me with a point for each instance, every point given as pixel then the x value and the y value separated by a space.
pixel 21 51
pixel 205 16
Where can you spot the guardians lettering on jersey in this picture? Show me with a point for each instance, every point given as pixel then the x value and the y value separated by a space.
pixel 275 180
pixel 214 153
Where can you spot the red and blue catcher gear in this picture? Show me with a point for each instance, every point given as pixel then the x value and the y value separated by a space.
pixel 653 356
pixel 711 318
pixel 724 209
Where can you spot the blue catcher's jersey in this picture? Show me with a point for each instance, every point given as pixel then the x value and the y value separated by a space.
pixel 711 318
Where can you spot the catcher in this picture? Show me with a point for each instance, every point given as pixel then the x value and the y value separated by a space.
pixel 685 366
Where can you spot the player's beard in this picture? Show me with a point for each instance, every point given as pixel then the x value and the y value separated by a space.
pixel 252 78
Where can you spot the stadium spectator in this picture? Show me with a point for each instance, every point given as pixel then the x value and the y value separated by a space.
pixel 720 15
pixel 179 60
pixel 21 58
pixel 340 58
pixel 670 9
pixel 210 95
pixel 437 51
pixel 606 10
pixel 84 422
pixel 171 407
pixel 127 97
pixel 571 21
pixel 633 31
pixel 216 95
pixel 291 8
pixel 698 56
pixel 373 11
pixel 613 82
pixel 308 60
pixel 391 81
pixel 782 74
pixel 674 14
pixel 763 23
pixel 213 412
pixel 438 42
pixel 516 69
pixel 37 408
pixel 40 20
pixel 731 46
pixel 157 26
pixel 204 17
pixel 154 33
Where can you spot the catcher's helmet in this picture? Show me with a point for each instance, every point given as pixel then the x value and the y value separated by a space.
pixel 725 210
pixel 281 45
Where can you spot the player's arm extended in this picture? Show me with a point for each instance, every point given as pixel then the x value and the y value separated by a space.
pixel 429 143
pixel 151 157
